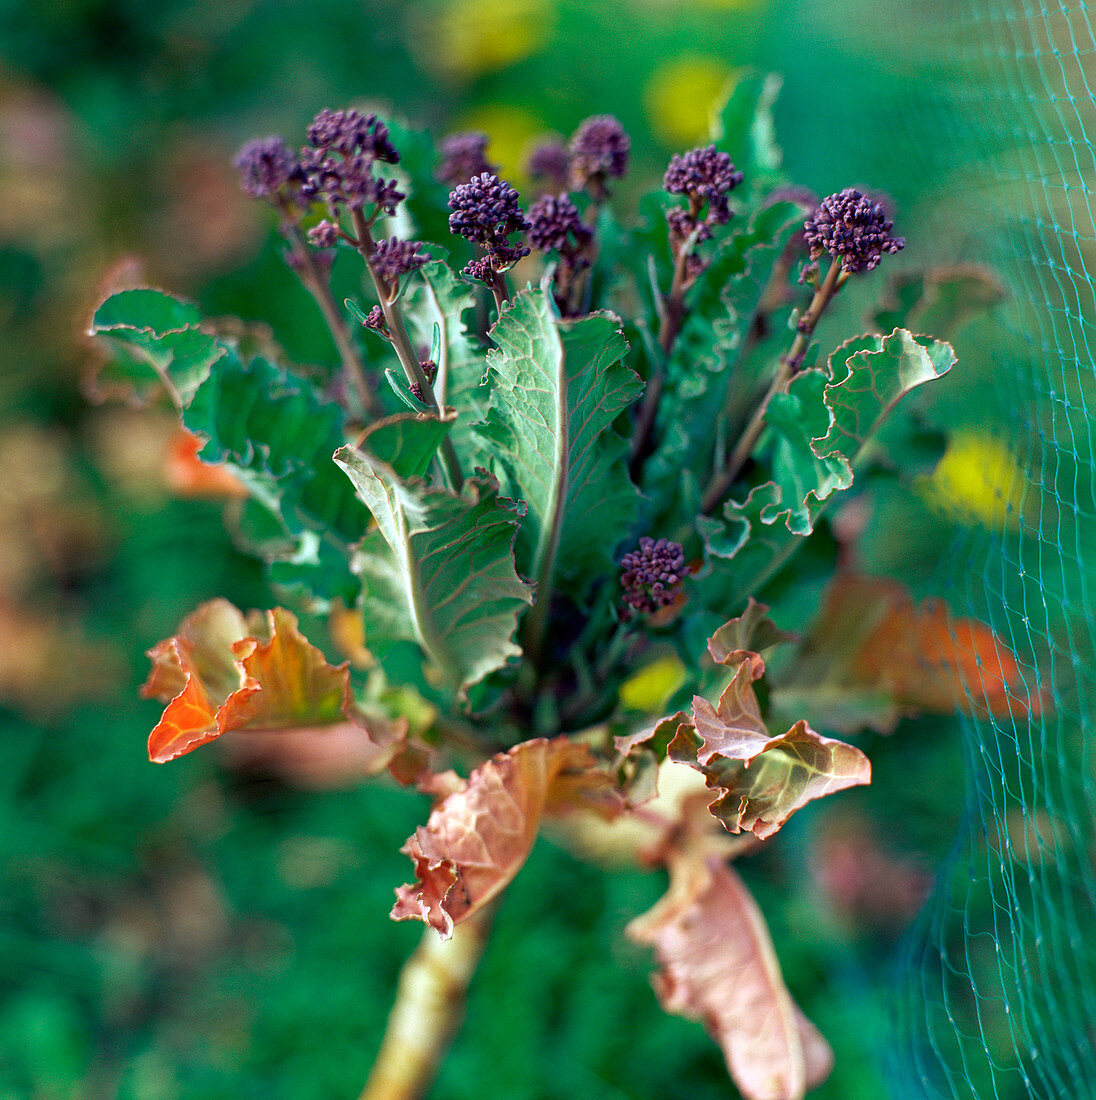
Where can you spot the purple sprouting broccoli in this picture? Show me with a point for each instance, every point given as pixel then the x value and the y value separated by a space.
pixel 651 576
pixel 598 151
pixel 549 165
pixel 463 156
pixel 324 235
pixel 486 212
pixel 853 229
pixel 393 258
pixel 705 176
pixel 266 166
pixel 337 164
pixel 555 223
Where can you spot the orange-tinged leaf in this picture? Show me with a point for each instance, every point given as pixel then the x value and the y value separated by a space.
pixel 477 838
pixel 874 653
pixel 222 673
pixel 188 476
pixel 746 636
pixel 718 965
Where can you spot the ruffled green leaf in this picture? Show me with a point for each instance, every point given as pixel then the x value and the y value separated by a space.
pixel 439 569
pixel 154 339
pixel 557 387
pixel 277 434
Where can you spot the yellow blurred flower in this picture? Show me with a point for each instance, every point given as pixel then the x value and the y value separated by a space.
pixel 680 94
pixel 512 131
pixel 466 38
pixel 978 480
pixel 652 687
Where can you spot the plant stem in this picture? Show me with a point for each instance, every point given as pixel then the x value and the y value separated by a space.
pixel 429 1005
pixel 319 286
pixel 670 318
pixel 397 332
pixel 722 481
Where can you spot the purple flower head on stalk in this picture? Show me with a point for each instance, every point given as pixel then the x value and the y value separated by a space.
pixel 651 576
pixel 265 165
pixel 394 258
pixel 350 133
pixel 851 228
pixel 486 212
pixel 555 223
pixel 324 235
pixel 598 151
pixel 549 165
pixel 704 175
pixel 338 164
pixel 462 157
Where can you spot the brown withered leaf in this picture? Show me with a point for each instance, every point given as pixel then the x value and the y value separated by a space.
pixel 746 636
pixel 220 673
pixel 477 838
pixel 874 654
pixel 718 965
pixel 762 780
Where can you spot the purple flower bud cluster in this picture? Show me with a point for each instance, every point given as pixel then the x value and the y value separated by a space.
pixel 324 235
pixel 853 229
pixel 430 369
pixel 599 151
pixel 705 176
pixel 393 258
pixel 462 157
pixel 338 162
pixel 549 165
pixel 651 576
pixel 555 223
pixel 265 165
pixel 375 321
pixel 486 212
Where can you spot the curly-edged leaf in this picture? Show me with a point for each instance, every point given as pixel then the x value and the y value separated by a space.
pixel 941 300
pixel 276 433
pixel 718 965
pixel 557 387
pixel 759 780
pixel 477 839
pixel 439 570
pixel 817 432
pixel 439 298
pixel 744 638
pixel 153 339
pixel 743 126
pixel 873 654
pixel 222 673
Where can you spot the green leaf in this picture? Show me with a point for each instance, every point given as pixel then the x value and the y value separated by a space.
pixel 153 338
pixel 438 299
pixel 439 569
pixel 277 434
pixel 557 387
pixel 743 126
pixel 941 300
pixel 819 430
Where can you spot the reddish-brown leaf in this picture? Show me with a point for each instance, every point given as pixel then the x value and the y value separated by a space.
pixel 477 839
pixel 872 642
pixel 718 965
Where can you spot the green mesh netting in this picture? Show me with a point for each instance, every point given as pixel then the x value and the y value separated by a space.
pixel 996 994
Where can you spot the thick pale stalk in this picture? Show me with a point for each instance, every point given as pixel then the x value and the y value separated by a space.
pixel 428 1010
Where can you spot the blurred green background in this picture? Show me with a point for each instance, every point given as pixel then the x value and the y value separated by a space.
pixel 207 931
